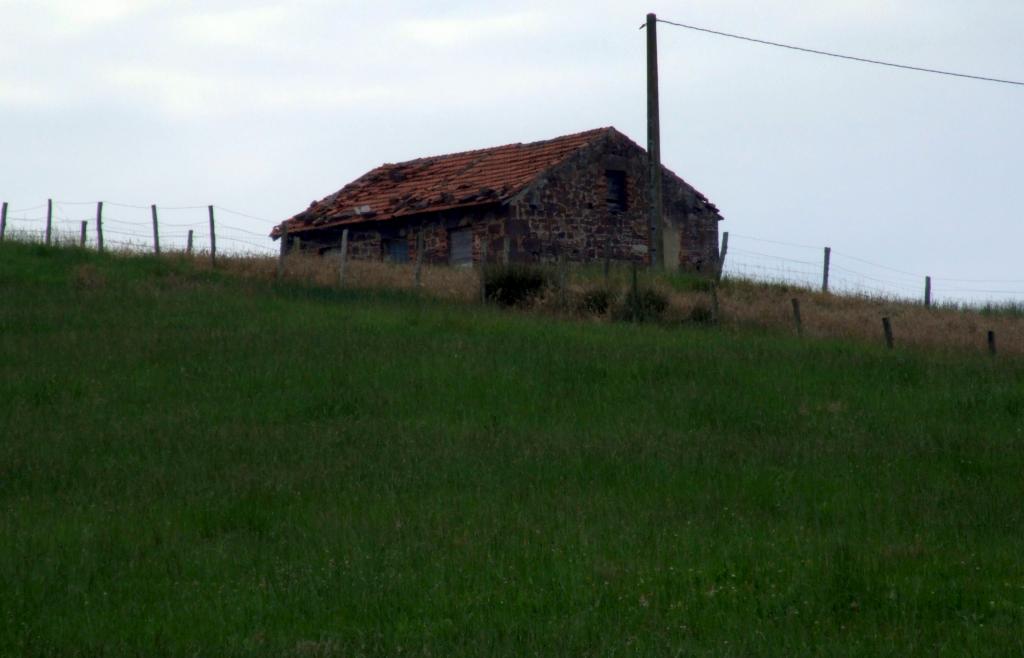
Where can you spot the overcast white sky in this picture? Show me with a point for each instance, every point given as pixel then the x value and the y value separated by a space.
pixel 262 107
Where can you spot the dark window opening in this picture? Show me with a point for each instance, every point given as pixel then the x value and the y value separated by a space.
pixel 396 251
pixel 616 194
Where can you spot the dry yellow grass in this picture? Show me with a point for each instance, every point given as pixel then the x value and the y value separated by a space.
pixel 743 304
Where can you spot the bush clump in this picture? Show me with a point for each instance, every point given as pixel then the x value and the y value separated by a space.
pixel 642 305
pixel 596 301
pixel 514 285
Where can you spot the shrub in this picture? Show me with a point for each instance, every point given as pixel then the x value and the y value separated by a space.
pixel 701 314
pixel 642 305
pixel 596 301
pixel 514 285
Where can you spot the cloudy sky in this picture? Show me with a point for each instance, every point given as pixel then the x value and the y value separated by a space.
pixel 261 107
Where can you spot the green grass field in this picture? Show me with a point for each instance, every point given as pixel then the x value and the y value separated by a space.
pixel 195 464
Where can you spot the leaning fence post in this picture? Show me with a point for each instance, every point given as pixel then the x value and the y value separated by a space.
pixel 721 257
pixel 156 231
pixel 343 257
pixel 887 328
pixel 3 221
pixel 213 239
pixel 188 243
pixel 283 250
pixel 824 273
pixel 927 292
pixel 81 237
pixel 796 317
pixel 992 342
pixel 417 277
pixel 49 220
pixel 99 226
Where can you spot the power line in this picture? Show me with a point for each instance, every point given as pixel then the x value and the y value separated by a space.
pixel 840 56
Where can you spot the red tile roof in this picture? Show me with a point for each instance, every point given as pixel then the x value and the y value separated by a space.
pixel 441 182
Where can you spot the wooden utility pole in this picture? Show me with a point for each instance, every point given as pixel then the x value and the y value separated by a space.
pixel 927 292
pixel 654 208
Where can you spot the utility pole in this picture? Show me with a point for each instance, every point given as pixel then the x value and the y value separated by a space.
pixel 654 200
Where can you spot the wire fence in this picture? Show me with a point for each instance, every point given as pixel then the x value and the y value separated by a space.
pixel 820 267
pixel 132 228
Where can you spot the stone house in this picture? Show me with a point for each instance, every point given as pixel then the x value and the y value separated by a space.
pixel 581 196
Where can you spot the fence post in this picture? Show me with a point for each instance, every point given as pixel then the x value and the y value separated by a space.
pixel 992 342
pixel 188 243
pixel 343 257
pixel 99 226
pixel 156 231
pixel 796 317
pixel 634 298
pixel 607 257
pixel 927 292
pixel 824 273
pixel 283 248
pixel 483 270
pixel 887 328
pixel 49 221
pixel 3 221
pixel 419 258
pixel 213 239
pixel 81 238
pixel 721 257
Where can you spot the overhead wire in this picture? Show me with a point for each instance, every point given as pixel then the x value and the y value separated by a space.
pixel 864 60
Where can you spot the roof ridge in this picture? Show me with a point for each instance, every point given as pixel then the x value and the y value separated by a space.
pixel 594 131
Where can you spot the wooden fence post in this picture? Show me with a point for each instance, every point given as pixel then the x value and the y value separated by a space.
pixel 417 276
pixel 213 239
pixel 824 273
pixel 156 231
pixel 927 292
pixel 283 250
pixel 188 243
pixel 607 257
pixel 343 257
pixel 634 297
pixel 81 237
pixel 796 317
pixel 483 270
pixel 3 221
pixel 887 328
pixel 49 221
pixel 99 226
pixel 721 257
pixel 992 342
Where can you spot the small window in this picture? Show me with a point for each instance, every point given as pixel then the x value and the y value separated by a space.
pixel 460 248
pixel 397 251
pixel 616 194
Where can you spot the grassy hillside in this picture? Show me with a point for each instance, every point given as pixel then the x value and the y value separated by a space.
pixel 195 464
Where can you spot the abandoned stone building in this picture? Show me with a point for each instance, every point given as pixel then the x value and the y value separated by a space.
pixel 579 196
